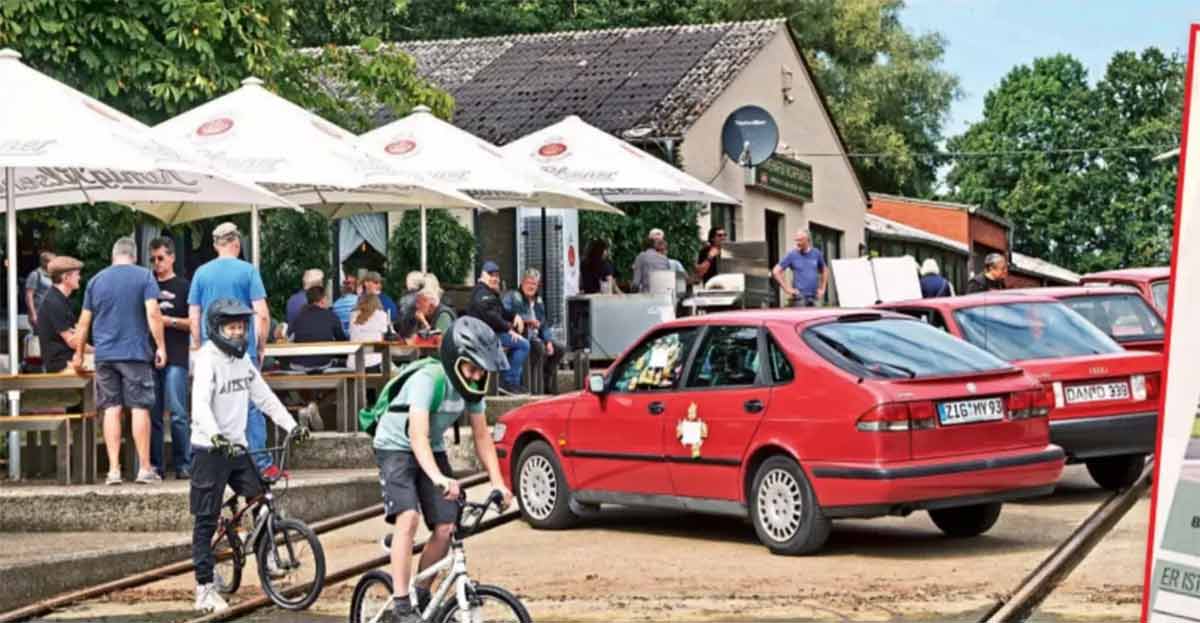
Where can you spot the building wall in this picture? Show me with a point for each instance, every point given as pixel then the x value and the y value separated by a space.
pixel 838 203
pixel 945 222
pixel 987 232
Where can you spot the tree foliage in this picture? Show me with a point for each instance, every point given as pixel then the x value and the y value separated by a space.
pixel 626 235
pixel 450 248
pixel 292 243
pixel 1089 209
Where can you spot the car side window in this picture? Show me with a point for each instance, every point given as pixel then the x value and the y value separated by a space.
pixel 657 363
pixel 728 357
pixel 781 368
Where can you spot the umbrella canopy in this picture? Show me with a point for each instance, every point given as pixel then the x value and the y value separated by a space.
pixel 299 155
pixel 608 167
pixel 469 164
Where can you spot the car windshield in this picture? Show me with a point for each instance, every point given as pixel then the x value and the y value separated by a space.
pixel 897 348
pixel 1016 331
pixel 1123 316
pixel 1160 289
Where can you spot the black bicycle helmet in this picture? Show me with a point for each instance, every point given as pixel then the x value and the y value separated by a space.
pixel 220 312
pixel 471 339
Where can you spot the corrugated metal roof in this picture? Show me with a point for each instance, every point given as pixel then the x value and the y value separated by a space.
pixel 1042 268
pixel 888 228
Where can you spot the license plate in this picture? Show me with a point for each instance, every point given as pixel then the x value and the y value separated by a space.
pixel 965 411
pixel 1076 394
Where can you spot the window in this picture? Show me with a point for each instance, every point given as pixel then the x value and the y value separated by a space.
pixel 829 241
pixel 728 357
pixel 1122 316
pixel 656 363
pixel 896 348
pixel 1160 289
pixel 931 317
pixel 781 368
pixel 724 215
pixel 1016 331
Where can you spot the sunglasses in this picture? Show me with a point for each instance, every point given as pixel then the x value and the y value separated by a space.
pixel 158 258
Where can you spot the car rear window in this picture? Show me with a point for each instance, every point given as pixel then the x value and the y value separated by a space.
pixel 1122 316
pixel 1160 289
pixel 1014 331
pixel 897 348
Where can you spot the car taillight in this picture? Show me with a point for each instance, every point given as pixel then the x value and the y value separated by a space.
pixel 1151 385
pixel 1137 385
pixel 898 417
pixel 1043 402
pixel 1030 404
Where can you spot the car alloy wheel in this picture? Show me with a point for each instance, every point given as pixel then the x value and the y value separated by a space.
pixel 780 505
pixel 539 487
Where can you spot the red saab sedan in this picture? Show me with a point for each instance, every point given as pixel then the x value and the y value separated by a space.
pixel 1154 283
pixel 791 418
pixel 1121 312
pixel 1105 398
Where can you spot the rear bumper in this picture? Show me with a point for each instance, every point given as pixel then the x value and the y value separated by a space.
pixel 1110 435
pixel 865 490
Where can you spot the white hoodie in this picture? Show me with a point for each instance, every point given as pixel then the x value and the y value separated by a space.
pixel 222 389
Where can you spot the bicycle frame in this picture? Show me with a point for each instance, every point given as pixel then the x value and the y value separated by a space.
pixel 456 562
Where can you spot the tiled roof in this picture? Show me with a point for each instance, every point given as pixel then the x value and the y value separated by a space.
pixel 660 78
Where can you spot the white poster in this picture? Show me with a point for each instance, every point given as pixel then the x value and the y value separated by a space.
pixel 863 282
pixel 854 281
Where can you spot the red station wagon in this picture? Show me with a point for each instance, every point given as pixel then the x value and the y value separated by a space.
pixel 1105 398
pixel 1120 312
pixel 790 418
pixel 1154 283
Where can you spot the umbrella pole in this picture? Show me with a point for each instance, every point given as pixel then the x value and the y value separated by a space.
pixel 424 235
pixel 14 397
pixel 255 234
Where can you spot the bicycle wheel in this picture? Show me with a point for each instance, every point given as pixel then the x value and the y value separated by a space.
pixel 489 604
pixel 372 599
pixel 227 549
pixel 291 566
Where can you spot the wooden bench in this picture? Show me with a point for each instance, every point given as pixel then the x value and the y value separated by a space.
pixel 341 383
pixel 74 437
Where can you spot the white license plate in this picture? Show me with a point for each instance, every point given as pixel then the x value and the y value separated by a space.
pixel 964 411
pixel 1077 394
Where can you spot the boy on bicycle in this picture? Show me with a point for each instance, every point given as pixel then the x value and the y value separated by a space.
pixel 410 450
pixel 225 381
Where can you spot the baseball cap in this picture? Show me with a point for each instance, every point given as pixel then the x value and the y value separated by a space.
pixel 225 230
pixel 491 267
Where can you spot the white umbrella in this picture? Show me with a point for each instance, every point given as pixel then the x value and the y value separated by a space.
pixel 608 167
pixel 299 155
pixel 469 164
pixel 59 146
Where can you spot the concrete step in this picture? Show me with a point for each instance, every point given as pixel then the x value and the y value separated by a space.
pixel 44 507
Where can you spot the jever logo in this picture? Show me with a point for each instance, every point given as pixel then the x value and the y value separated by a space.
pixel 220 125
pixel 552 150
pixel 400 147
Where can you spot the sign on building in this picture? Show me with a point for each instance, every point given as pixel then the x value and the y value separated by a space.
pixel 785 176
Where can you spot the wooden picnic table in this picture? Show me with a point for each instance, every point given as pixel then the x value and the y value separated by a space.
pixel 351 385
pixel 74 433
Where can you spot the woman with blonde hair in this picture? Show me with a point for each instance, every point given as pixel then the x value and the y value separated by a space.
pixel 369 323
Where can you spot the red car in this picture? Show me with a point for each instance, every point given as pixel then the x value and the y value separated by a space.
pixel 1154 283
pixel 791 418
pixel 1105 398
pixel 1119 311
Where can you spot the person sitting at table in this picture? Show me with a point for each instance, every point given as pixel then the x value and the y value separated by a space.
pixel 56 331
pixel 417 314
pixel 315 323
pixel 369 323
pixel 312 277
pixel 544 352
pixel 345 303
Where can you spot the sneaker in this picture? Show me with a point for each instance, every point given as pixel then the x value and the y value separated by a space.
pixel 513 390
pixel 148 477
pixel 273 569
pixel 424 596
pixel 114 478
pixel 273 473
pixel 403 611
pixel 209 600
pixel 183 474
pixel 386 542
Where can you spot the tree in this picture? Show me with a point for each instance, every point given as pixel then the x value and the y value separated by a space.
pixel 450 248
pixel 292 243
pixel 1087 209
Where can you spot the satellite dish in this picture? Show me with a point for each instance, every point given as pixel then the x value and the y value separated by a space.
pixel 749 136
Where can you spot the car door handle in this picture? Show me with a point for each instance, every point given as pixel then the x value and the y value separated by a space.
pixel 753 406
pixel 656 408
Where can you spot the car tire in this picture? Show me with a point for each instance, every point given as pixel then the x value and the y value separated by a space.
pixel 966 521
pixel 784 509
pixel 541 489
pixel 1116 472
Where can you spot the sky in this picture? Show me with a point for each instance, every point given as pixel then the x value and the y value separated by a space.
pixel 987 38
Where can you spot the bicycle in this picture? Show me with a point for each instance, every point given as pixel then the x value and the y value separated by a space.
pixel 372 601
pixel 278 543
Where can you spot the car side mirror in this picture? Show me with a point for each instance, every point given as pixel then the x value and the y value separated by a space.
pixel 596 384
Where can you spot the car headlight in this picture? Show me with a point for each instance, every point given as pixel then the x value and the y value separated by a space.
pixel 498 431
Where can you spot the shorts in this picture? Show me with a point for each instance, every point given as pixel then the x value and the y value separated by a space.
pixel 407 488
pixel 124 384
pixel 211 471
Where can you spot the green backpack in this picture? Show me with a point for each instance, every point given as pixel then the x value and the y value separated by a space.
pixel 368 419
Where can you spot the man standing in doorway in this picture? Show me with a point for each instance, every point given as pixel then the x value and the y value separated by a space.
pixel 995 269
pixel 171 391
pixel 809 272
pixel 228 277
pixel 123 300
pixel 708 263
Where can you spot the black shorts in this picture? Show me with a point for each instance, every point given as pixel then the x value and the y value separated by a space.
pixel 124 384
pixel 407 488
pixel 212 471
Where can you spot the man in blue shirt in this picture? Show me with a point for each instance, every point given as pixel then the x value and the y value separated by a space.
pixel 312 278
pixel 373 284
pixel 228 277
pixel 809 274
pixel 120 308
pixel 346 303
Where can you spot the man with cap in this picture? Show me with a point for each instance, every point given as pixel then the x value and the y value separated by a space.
pixel 56 331
pixel 228 277
pixel 372 283
pixel 487 306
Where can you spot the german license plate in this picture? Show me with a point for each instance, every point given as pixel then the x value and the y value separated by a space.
pixel 965 411
pixel 1099 392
